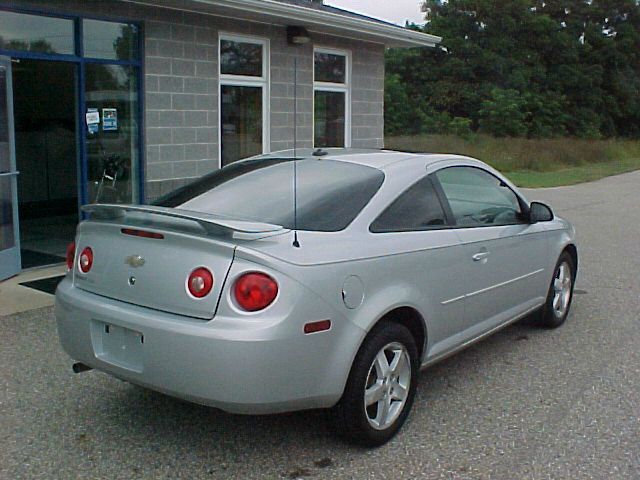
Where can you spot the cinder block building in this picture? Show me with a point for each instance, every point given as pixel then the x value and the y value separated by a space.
pixel 124 100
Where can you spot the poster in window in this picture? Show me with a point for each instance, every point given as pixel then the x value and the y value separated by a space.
pixel 93 120
pixel 109 119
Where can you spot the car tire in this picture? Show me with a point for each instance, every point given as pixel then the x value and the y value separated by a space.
pixel 560 295
pixel 380 388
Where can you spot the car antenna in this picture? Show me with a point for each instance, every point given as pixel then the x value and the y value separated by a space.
pixel 296 243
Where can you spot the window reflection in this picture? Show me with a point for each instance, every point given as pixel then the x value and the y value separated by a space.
pixel 110 40
pixel 329 114
pixel 241 117
pixel 5 160
pixel 6 191
pixel 31 33
pixel 330 193
pixel 330 68
pixel 240 58
pixel 7 235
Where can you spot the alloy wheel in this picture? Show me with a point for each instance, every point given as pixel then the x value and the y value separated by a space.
pixel 387 385
pixel 562 285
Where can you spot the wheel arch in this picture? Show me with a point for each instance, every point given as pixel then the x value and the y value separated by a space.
pixel 572 250
pixel 410 318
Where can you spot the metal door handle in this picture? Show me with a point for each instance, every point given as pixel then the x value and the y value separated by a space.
pixel 9 174
pixel 480 256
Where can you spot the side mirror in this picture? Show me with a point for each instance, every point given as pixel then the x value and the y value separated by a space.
pixel 539 212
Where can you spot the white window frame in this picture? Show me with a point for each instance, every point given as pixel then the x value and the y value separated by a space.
pixel 334 87
pixel 246 81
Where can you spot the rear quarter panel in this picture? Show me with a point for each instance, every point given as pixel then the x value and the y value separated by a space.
pixel 420 272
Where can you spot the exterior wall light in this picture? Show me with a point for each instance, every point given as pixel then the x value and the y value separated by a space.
pixel 297 36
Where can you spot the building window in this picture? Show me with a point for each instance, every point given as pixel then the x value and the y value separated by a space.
pixel 331 98
pixel 110 40
pixel 243 97
pixel 36 34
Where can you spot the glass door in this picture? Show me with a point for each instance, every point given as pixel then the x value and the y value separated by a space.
pixel 9 241
pixel 111 133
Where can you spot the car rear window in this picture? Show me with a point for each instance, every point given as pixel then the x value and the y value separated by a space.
pixel 330 193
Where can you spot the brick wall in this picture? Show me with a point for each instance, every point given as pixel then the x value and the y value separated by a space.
pixel 181 87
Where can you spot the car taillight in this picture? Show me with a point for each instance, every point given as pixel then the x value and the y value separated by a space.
pixel 255 291
pixel 71 253
pixel 85 262
pixel 200 282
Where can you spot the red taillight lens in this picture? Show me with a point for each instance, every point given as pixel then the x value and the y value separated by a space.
pixel 85 262
pixel 200 282
pixel 71 253
pixel 255 291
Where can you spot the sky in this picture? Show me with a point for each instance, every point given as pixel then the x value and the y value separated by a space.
pixel 396 11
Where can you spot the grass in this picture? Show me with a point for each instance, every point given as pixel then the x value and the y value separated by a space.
pixel 534 163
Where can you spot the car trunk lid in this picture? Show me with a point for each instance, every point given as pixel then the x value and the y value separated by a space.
pixel 144 255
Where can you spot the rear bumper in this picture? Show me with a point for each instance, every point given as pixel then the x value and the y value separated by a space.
pixel 229 363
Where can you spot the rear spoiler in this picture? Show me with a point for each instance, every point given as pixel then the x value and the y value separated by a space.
pixel 210 223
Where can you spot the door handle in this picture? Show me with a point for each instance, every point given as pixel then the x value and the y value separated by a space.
pixel 480 256
pixel 9 174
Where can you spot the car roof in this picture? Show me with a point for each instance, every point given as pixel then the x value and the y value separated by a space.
pixel 380 159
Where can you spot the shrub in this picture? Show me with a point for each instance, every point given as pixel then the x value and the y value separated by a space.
pixel 502 115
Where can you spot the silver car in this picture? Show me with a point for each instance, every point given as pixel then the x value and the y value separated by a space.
pixel 325 281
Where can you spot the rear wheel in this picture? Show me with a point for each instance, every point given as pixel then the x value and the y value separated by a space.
pixel 560 293
pixel 381 387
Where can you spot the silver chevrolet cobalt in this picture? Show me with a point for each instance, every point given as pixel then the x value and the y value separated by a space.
pixel 325 281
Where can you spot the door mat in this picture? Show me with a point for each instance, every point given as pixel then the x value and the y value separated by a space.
pixel 46 285
pixel 31 258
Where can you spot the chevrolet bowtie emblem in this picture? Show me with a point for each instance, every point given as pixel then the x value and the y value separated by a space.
pixel 135 261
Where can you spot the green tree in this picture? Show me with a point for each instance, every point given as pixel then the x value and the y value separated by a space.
pixel 555 66
pixel 502 114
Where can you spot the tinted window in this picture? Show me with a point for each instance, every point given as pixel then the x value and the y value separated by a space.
pixel 478 198
pixel 418 208
pixel 330 193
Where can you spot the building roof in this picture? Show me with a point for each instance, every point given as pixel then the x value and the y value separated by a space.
pixel 340 11
pixel 311 14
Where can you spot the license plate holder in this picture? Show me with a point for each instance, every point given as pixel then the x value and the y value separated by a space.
pixel 117 345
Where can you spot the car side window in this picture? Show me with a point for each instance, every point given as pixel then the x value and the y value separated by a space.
pixel 417 208
pixel 478 198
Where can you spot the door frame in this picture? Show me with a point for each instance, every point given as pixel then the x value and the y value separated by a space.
pixel 10 261
pixel 78 58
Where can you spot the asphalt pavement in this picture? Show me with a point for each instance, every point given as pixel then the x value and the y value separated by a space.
pixel 525 404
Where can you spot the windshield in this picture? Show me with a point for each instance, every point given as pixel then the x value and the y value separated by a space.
pixel 330 193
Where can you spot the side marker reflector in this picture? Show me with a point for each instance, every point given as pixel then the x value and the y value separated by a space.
pixel 315 327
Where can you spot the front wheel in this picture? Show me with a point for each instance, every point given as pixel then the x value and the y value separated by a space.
pixel 381 387
pixel 556 308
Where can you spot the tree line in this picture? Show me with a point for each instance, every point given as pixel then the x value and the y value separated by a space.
pixel 520 68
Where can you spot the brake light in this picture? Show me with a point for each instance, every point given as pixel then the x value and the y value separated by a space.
pixel 200 282
pixel 71 253
pixel 255 291
pixel 141 233
pixel 85 262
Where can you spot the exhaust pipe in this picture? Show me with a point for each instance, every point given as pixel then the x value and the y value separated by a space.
pixel 81 367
